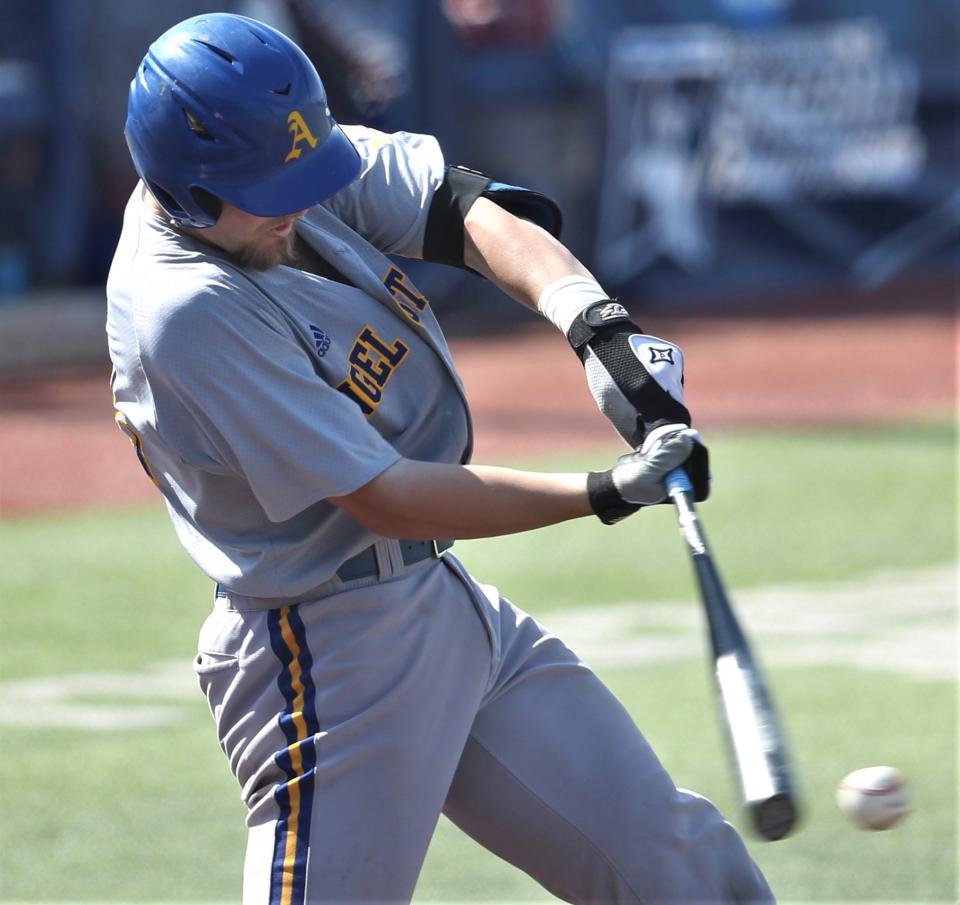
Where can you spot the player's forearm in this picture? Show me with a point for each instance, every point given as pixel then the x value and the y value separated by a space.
pixel 518 256
pixel 424 500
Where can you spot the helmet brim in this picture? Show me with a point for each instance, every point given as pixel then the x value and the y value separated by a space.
pixel 317 176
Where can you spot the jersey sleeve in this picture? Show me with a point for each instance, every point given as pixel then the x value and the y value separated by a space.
pixel 238 393
pixel 390 201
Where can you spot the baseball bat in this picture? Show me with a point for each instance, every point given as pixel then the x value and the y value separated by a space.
pixel 757 742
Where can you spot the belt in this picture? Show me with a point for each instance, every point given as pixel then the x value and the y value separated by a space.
pixel 364 564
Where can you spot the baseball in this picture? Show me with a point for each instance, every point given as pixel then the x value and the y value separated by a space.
pixel 875 798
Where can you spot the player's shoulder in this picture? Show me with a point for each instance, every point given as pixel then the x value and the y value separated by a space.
pixel 191 286
pixel 380 149
pixel 368 140
pixel 158 270
pixel 196 306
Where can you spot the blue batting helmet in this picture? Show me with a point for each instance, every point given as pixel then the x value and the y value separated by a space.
pixel 226 108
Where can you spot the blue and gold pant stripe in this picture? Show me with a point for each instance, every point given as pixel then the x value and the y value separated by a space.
pixel 298 759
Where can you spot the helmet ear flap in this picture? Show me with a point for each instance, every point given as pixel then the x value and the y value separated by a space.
pixel 166 200
pixel 209 203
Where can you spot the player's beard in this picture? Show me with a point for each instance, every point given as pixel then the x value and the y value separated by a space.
pixel 267 252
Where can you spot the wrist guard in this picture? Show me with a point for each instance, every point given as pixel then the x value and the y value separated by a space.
pixel 605 500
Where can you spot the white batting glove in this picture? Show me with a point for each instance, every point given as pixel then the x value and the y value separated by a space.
pixel 637 478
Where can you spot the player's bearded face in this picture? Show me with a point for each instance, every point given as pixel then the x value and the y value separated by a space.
pixel 255 242
pixel 259 242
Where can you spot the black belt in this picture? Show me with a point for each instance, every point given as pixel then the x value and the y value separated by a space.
pixel 364 564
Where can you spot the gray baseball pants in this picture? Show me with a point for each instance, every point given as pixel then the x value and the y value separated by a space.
pixel 352 721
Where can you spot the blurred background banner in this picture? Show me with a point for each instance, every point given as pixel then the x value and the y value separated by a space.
pixel 788 124
pixel 699 148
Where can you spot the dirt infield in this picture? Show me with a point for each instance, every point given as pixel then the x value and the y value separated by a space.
pixel 59 447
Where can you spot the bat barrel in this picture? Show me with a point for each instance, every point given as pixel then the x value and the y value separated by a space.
pixel 757 742
pixel 756 739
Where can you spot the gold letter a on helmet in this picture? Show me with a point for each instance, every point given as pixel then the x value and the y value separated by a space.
pixel 300 132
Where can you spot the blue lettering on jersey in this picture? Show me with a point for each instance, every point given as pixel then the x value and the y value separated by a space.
pixel 320 340
pixel 408 300
pixel 372 363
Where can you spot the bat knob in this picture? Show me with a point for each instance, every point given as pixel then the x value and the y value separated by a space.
pixel 774 817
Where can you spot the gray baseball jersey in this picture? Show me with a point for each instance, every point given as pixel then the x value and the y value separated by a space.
pixel 354 708
pixel 217 367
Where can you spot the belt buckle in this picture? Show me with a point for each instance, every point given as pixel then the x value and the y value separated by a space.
pixel 434 549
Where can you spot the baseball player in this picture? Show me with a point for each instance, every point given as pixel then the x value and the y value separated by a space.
pixel 289 391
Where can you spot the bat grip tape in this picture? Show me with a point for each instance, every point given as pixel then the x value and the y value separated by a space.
pixel 677 481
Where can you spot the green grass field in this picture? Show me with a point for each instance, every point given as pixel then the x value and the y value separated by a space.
pixel 113 788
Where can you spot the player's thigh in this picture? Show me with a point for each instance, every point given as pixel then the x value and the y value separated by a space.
pixel 344 722
pixel 557 779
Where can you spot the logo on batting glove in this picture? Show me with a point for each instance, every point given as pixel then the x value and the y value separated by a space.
pixel 602 313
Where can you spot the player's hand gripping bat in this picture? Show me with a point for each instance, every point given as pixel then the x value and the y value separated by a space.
pixel 754 732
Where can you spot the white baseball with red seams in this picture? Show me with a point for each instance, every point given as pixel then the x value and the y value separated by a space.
pixel 875 798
